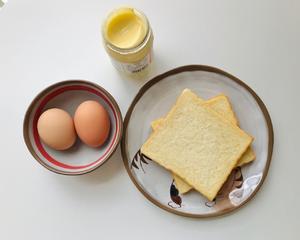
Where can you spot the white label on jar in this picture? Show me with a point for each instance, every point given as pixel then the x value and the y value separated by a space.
pixel 133 67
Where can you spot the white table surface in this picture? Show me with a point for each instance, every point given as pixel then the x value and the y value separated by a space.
pixel 43 42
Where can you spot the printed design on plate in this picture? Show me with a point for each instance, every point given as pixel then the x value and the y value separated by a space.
pixel 234 181
pixel 176 200
pixel 138 160
pixel 221 201
pixel 237 196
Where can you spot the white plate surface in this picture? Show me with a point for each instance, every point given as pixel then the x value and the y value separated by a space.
pixel 155 100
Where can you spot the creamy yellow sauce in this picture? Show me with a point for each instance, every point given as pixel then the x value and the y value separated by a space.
pixel 125 29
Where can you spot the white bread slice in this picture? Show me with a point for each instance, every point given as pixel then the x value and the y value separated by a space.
pixel 197 144
pixel 221 105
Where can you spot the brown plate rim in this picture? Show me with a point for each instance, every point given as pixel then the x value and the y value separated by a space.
pixel 191 68
pixel 45 91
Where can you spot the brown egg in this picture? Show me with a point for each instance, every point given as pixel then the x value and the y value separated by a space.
pixel 92 123
pixel 56 129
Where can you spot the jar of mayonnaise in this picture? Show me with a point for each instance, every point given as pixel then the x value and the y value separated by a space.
pixel 128 40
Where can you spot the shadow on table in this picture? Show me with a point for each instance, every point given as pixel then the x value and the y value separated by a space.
pixel 107 171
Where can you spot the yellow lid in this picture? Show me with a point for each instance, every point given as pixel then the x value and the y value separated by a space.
pixel 125 28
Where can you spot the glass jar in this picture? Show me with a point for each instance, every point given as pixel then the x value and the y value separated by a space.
pixel 128 40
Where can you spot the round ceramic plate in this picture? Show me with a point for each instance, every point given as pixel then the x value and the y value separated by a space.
pixel 80 158
pixel 155 99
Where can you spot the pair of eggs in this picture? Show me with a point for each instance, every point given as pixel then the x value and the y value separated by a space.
pixel 59 130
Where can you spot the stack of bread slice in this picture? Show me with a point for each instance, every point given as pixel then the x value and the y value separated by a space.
pixel 199 142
